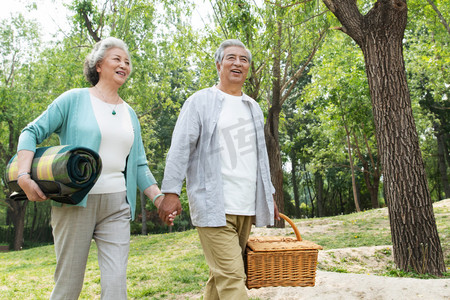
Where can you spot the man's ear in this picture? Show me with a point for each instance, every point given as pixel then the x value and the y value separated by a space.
pixel 218 67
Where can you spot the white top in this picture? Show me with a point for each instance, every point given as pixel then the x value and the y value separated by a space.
pixel 237 140
pixel 117 139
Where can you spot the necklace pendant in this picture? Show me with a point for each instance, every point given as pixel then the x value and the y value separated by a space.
pixel 113 112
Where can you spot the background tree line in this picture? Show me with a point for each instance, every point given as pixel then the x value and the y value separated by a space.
pixel 309 75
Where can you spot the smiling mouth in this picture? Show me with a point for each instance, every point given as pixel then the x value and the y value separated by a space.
pixel 236 71
pixel 121 73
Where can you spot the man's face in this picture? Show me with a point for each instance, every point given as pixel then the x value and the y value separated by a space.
pixel 234 66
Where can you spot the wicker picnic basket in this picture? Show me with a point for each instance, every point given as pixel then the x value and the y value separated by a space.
pixel 281 261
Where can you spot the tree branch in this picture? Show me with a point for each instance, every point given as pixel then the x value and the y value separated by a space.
pixel 441 17
pixel 293 80
pixel 224 29
pixel 88 23
pixel 348 14
pixel 276 3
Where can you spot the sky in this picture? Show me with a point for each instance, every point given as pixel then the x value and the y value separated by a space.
pixel 51 14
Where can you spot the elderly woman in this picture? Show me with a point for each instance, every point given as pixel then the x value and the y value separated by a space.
pixel 99 119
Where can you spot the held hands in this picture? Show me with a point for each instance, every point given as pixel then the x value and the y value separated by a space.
pixel 168 208
pixel 31 189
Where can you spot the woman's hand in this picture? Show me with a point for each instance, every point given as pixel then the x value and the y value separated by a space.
pixel 31 189
pixel 28 185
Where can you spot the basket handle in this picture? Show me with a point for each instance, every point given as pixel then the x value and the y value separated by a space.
pixel 297 233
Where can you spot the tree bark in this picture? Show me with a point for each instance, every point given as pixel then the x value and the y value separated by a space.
pixel 371 178
pixel 143 213
pixel 352 168
pixel 442 165
pixel 308 185
pixel 271 130
pixel 319 193
pixel 380 34
pixel 18 209
pixel 294 182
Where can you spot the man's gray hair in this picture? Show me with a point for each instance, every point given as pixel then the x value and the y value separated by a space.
pixel 98 53
pixel 218 56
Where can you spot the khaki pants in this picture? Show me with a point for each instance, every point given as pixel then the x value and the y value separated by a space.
pixel 106 219
pixel 224 248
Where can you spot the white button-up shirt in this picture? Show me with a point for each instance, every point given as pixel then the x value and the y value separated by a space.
pixel 195 155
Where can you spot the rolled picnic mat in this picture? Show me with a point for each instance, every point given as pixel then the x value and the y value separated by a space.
pixel 64 173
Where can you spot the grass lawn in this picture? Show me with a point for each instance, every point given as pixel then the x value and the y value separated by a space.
pixel 171 266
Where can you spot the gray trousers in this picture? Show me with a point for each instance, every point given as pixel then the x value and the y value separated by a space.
pixel 106 219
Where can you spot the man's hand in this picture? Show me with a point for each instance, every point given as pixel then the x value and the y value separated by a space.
pixel 169 207
pixel 276 213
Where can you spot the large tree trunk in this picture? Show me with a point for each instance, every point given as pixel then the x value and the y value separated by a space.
pixel 380 34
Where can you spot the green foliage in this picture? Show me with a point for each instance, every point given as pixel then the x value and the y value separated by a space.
pixel 428 59
pixel 162 77
pixel 18 51
pixel 171 61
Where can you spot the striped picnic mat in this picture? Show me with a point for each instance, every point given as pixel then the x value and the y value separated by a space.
pixel 64 173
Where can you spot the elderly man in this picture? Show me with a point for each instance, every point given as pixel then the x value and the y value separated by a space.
pixel 218 145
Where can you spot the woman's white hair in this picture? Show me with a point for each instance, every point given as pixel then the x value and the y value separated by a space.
pixel 98 53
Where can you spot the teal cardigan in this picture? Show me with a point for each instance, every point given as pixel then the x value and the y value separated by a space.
pixel 72 118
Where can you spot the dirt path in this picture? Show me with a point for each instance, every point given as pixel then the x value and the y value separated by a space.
pixel 348 286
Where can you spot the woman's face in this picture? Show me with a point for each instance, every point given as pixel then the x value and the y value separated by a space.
pixel 115 66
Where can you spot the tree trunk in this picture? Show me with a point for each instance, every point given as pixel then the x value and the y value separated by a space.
pixel 294 181
pixel 319 193
pixel 352 168
pixel 442 165
pixel 309 184
pixel 273 150
pixel 18 209
pixel 143 213
pixel 380 35
pixel 271 131
pixel 375 173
